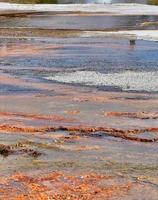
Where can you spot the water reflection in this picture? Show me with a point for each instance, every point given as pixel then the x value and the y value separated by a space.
pixel 81 23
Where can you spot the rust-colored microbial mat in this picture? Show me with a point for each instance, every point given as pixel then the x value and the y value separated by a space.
pixel 78 114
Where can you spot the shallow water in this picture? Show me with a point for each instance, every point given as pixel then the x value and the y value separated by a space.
pixel 79 22
pixel 28 100
pixel 63 109
pixel 90 54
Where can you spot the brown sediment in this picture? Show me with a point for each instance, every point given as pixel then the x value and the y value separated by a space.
pixel 25 33
pixel 85 131
pixel 98 99
pixel 86 148
pixel 12 13
pixel 68 138
pixel 137 115
pixel 61 186
pixel 57 118
pixel 147 23
pixel 6 150
pixel 19 14
pixel 38 32
pixel 72 112
pixel 60 145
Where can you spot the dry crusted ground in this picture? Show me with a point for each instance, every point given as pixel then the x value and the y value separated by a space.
pixel 60 186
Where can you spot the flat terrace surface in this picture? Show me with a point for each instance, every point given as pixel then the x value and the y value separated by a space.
pixel 65 130
pixel 78 103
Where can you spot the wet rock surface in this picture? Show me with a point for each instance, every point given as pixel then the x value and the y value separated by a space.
pixel 74 139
